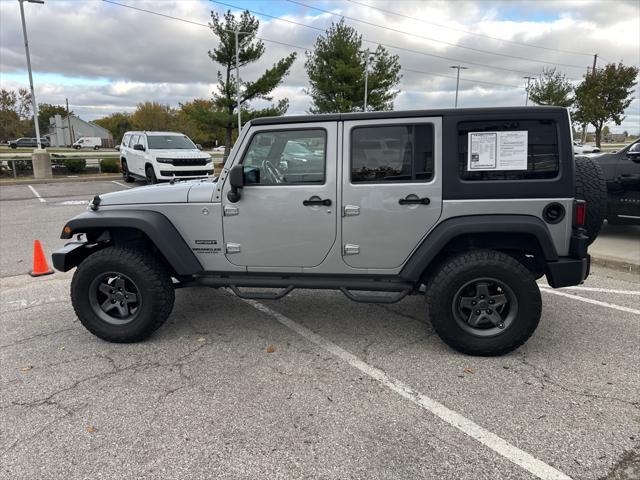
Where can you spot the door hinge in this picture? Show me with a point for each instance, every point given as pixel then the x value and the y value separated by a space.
pixel 351 249
pixel 232 247
pixel 350 210
pixel 231 210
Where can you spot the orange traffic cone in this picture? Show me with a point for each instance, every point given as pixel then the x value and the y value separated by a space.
pixel 40 266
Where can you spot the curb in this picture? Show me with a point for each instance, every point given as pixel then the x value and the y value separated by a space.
pixel 32 181
pixel 615 264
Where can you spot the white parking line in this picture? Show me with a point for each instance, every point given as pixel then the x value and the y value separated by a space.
pixel 468 427
pixel 589 300
pixel 35 192
pixel 121 184
pixel 605 290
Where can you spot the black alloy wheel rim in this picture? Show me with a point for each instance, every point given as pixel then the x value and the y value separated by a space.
pixel 485 307
pixel 115 298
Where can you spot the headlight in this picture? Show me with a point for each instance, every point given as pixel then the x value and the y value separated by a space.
pixel 164 160
pixel 209 159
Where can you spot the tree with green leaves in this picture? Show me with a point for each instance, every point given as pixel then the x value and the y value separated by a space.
pixel 117 123
pixel 603 96
pixel 10 127
pixel 250 50
pixel 551 88
pixel 336 70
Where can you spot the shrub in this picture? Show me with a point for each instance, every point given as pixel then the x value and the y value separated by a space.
pixel 22 165
pixel 75 165
pixel 109 165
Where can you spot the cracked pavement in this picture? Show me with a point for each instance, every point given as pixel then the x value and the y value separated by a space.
pixel 203 398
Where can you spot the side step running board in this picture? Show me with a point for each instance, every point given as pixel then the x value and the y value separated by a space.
pixel 363 298
pixel 262 295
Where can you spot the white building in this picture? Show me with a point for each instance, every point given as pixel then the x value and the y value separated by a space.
pixel 64 131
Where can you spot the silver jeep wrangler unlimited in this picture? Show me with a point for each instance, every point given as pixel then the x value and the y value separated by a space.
pixel 470 205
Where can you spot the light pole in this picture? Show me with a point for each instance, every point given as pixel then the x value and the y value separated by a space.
pixel 528 79
pixel 367 59
pixel 237 34
pixel 458 68
pixel 26 48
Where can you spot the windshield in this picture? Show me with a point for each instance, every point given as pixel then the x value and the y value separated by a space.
pixel 172 142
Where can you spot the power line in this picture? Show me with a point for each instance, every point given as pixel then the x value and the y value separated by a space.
pixel 468 31
pixel 456 45
pixel 171 17
pixel 396 47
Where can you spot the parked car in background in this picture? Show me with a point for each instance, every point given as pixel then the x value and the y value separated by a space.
pixel 580 148
pixel 219 148
pixel 157 156
pixel 29 142
pixel 88 142
pixel 621 171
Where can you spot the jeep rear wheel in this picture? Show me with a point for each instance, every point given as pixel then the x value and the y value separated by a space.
pixel 483 303
pixel 591 187
pixel 122 295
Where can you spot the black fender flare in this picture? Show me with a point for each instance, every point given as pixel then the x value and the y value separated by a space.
pixel 154 225
pixel 454 227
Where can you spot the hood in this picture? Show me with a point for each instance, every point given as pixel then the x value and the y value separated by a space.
pixel 160 193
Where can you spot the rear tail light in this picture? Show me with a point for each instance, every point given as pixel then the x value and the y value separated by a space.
pixel 580 213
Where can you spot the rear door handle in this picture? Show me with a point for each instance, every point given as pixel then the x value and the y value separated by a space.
pixel 414 200
pixel 316 201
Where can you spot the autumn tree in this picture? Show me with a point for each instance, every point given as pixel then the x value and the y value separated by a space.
pixel 117 123
pixel 336 70
pixel 250 50
pixel 551 88
pixel 46 111
pixel 153 116
pixel 603 96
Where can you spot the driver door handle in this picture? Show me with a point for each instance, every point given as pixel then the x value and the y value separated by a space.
pixel 316 201
pixel 412 200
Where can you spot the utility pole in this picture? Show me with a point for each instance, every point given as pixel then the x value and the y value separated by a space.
pixel 237 34
pixel 593 72
pixel 528 79
pixel 26 48
pixel 69 123
pixel 458 68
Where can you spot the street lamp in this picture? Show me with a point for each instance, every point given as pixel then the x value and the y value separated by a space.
pixel 26 48
pixel 368 56
pixel 458 67
pixel 237 34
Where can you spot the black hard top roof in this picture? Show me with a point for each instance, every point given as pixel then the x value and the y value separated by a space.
pixel 333 117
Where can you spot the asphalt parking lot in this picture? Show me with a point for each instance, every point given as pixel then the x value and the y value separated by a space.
pixel 311 386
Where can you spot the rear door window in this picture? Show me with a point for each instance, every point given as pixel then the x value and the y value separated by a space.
pixel 543 157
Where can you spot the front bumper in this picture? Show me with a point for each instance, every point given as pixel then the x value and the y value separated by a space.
pixel 574 269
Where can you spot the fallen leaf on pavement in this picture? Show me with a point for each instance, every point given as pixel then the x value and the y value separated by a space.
pixel 270 349
pixel 91 429
pixel 468 370
pixel 27 368
pixel 201 339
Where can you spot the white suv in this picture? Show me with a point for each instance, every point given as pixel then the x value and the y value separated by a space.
pixel 157 156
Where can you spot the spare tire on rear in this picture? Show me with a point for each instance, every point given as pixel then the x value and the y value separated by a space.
pixel 591 187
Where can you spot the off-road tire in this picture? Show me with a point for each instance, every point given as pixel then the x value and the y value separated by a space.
pixel 155 289
pixel 456 271
pixel 591 187
pixel 151 175
pixel 126 175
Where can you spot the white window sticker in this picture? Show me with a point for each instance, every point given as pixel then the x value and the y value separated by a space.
pixel 497 151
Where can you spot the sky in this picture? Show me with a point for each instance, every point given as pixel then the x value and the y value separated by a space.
pixel 106 57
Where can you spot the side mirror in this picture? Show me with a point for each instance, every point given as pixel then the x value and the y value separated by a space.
pixel 198 146
pixel 138 146
pixel 634 156
pixel 236 180
pixel 117 147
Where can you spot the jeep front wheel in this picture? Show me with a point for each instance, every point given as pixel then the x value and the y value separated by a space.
pixel 483 303
pixel 122 295
pixel 126 175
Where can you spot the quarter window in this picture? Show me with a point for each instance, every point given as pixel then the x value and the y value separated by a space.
pixel 396 153
pixel 543 159
pixel 289 157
